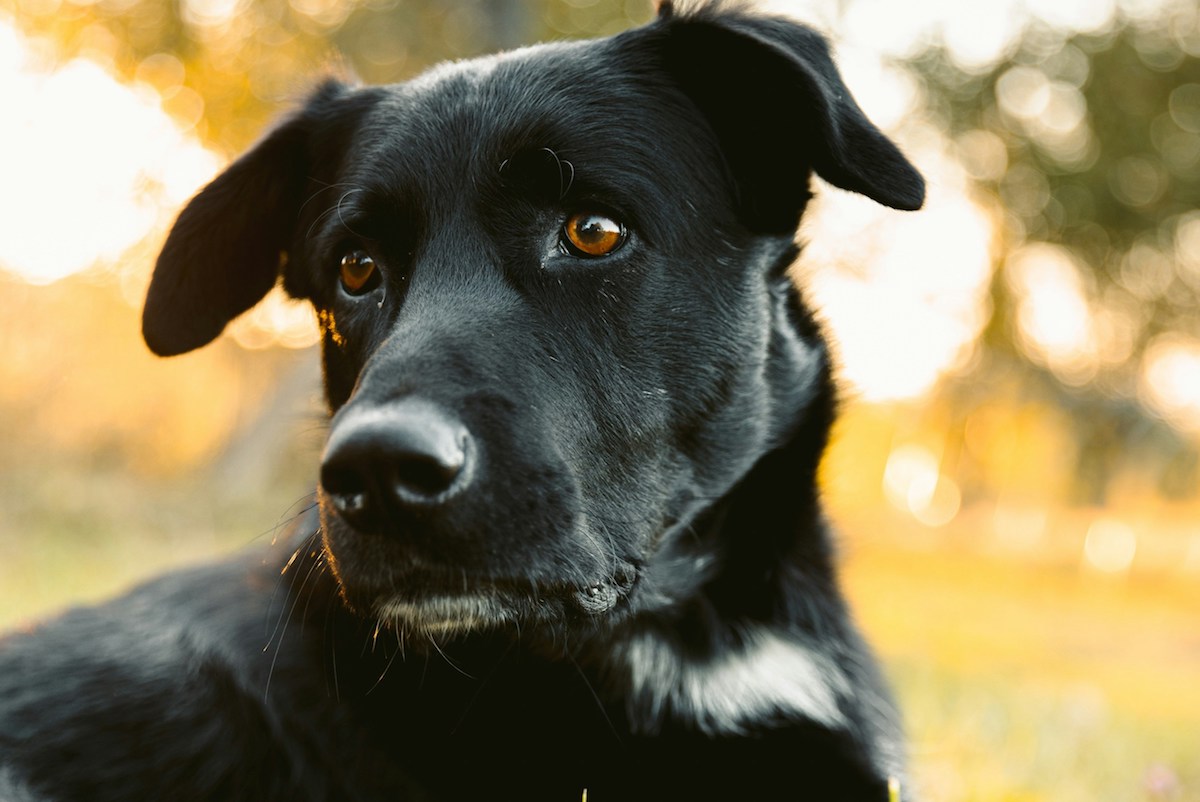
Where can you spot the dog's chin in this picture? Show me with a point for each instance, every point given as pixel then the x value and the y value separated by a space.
pixel 419 605
pixel 423 597
pixel 421 609
pixel 442 616
pixel 437 615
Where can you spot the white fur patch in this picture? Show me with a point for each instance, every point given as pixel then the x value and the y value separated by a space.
pixel 770 674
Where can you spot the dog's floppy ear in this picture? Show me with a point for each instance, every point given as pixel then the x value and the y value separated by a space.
pixel 226 248
pixel 772 94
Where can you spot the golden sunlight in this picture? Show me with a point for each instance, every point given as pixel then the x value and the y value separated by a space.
pixel 84 147
pixel 905 295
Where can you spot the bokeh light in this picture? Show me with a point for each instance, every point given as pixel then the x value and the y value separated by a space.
pixel 1110 546
pixel 1171 379
pixel 913 482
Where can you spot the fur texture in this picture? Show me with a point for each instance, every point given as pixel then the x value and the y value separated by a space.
pixel 569 535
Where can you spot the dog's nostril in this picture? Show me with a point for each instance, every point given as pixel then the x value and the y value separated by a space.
pixel 386 458
pixel 350 503
pixel 430 474
pixel 347 489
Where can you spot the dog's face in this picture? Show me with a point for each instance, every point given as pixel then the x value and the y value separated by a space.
pixel 552 291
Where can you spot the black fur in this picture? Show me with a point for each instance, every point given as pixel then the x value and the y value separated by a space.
pixel 621 578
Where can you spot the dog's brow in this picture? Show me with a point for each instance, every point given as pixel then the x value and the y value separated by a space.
pixel 355 211
pixel 540 170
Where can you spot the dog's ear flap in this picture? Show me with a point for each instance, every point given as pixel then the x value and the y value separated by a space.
pixel 226 249
pixel 771 92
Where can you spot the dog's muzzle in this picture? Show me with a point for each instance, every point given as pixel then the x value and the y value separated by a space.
pixel 408 455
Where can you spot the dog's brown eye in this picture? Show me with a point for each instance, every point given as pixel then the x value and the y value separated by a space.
pixel 591 234
pixel 358 273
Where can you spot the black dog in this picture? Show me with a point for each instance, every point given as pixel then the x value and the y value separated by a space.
pixel 569 534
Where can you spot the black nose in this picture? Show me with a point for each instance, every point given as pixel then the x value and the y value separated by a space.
pixel 403 455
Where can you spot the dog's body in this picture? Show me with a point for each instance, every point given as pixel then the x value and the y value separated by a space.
pixel 569 535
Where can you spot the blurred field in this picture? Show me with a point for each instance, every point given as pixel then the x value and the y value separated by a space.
pixel 1035 681
pixel 1027 668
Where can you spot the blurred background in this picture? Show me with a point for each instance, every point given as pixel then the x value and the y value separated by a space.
pixel 1016 472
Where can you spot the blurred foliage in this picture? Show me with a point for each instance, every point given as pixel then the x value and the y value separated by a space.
pixel 1091 143
pixel 228 65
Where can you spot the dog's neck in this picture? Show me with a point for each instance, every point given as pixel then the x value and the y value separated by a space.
pixel 730 630
pixel 740 654
pixel 767 529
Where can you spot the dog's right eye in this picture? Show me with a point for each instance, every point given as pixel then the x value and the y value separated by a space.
pixel 358 273
pixel 591 235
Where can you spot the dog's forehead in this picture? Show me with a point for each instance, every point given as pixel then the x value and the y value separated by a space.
pixel 567 79
pixel 594 99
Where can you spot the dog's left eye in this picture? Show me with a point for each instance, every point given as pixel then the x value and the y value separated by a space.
pixel 358 273
pixel 590 234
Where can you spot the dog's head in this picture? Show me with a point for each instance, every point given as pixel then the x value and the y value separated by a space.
pixel 552 290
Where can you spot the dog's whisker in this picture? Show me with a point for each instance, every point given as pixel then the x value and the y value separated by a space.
pixel 596 698
pixel 387 666
pixel 318 561
pixel 375 634
pixel 322 190
pixel 304 546
pixel 318 220
pixel 449 662
pixel 341 218
pixel 401 634
pixel 330 640
pixel 297 595
pixel 481 686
